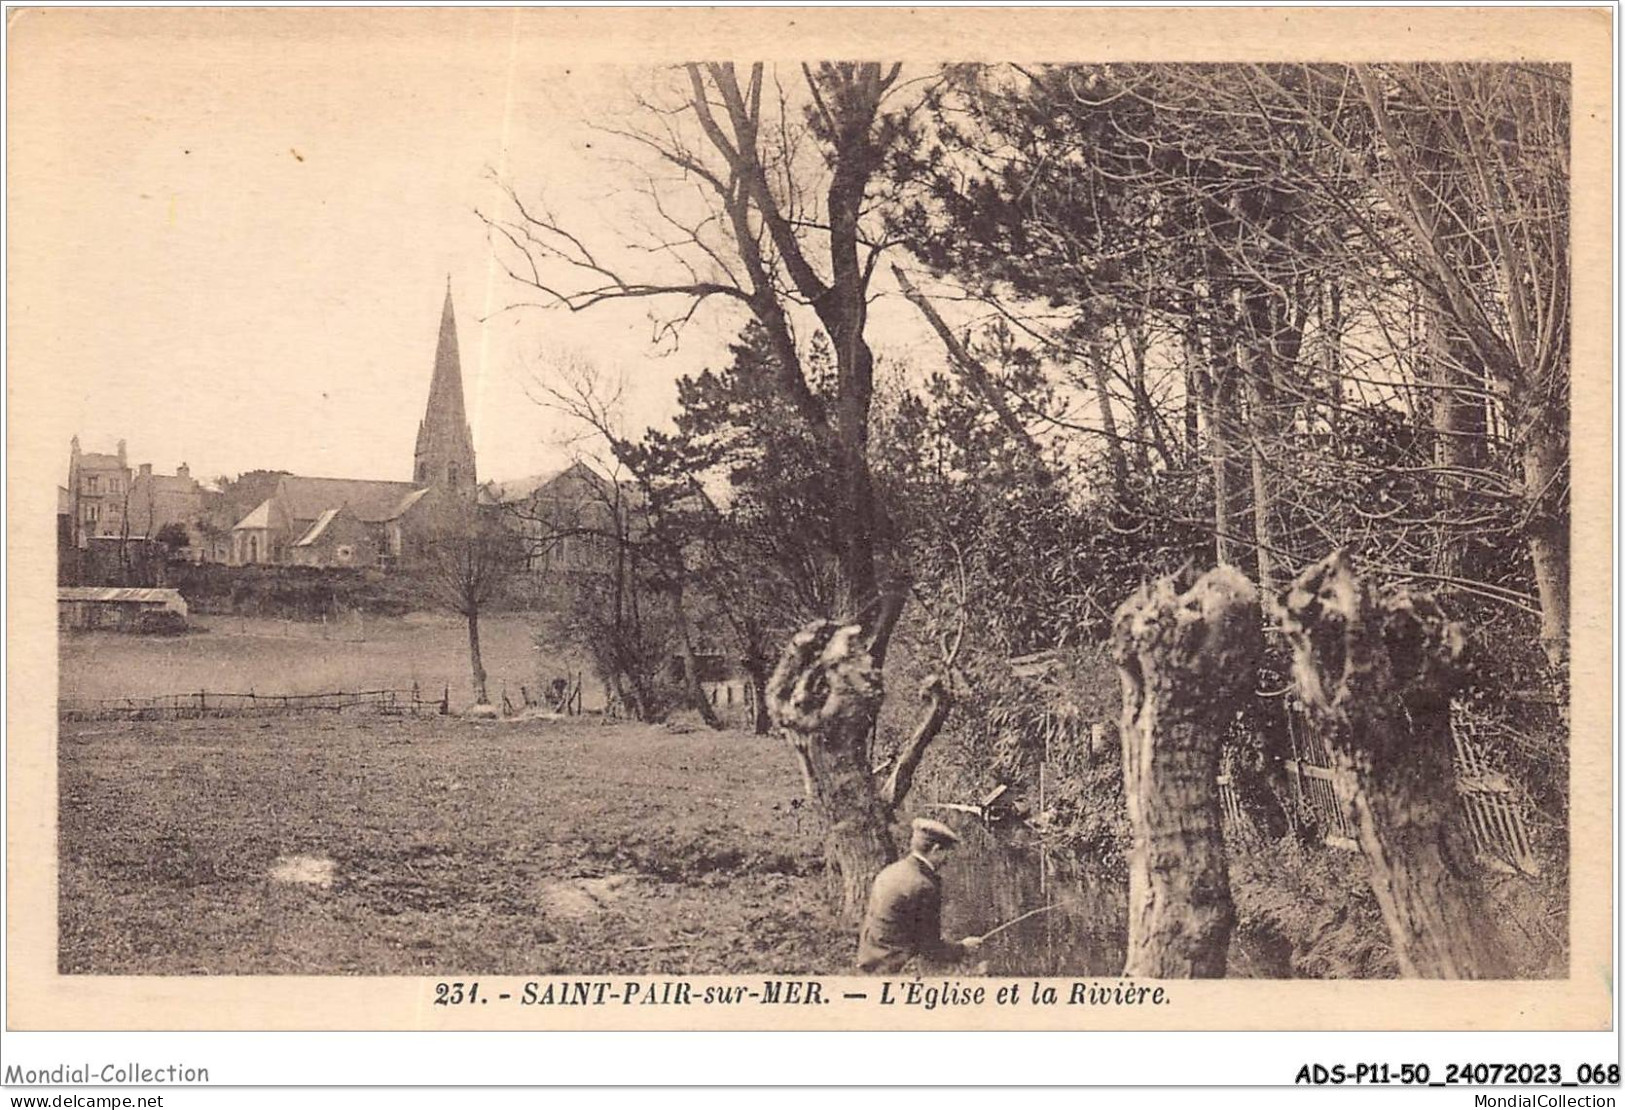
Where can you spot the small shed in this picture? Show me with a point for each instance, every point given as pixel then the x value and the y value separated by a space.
pixel 115 607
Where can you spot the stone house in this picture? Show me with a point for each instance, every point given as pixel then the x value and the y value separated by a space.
pixel 99 486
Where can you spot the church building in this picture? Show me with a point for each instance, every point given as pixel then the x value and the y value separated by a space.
pixel 349 522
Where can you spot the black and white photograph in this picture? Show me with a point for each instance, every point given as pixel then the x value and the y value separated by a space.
pixel 802 541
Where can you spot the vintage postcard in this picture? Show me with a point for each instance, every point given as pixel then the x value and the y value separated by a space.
pixel 809 519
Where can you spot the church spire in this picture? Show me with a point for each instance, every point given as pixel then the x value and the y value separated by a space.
pixel 445 448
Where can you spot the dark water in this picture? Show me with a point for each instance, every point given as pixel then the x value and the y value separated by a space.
pixel 998 875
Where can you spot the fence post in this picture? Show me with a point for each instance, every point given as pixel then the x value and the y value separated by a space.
pixel 445 701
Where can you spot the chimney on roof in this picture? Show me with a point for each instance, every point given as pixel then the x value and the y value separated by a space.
pixel 146 470
pixel 183 471
pixel 121 461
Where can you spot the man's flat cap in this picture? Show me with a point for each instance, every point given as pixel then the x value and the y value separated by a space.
pixel 935 831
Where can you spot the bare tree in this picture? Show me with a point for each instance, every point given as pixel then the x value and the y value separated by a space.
pixel 782 224
pixel 668 498
pixel 1466 192
pixel 467 557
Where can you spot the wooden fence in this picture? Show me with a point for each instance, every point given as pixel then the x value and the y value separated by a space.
pixel 204 703
pixel 1490 806
pixel 562 695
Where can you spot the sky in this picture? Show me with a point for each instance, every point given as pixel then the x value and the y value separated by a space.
pixel 232 232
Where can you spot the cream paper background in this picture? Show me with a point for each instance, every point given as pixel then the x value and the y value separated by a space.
pixel 39 999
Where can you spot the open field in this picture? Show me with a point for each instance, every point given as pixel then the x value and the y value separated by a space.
pixel 445 846
pixel 237 654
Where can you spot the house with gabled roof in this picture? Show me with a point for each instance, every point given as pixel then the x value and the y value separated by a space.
pixel 568 519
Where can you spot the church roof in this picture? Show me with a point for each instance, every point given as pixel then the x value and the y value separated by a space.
pixel 408 501
pixel 96 461
pixel 317 529
pixel 259 518
pixel 373 502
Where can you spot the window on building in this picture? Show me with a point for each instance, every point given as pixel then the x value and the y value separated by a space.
pixel 423 472
pixel 93 484
pixel 452 472
pixel 92 514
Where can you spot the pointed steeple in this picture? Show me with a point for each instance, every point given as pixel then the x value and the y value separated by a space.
pixel 445 448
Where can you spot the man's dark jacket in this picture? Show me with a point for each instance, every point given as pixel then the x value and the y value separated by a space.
pixel 904 919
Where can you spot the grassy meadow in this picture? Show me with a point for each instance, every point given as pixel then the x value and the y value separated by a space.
pixel 434 846
pixel 228 654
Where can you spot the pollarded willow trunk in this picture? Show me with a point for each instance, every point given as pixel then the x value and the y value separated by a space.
pixel 825 694
pixel 1376 673
pixel 1187 654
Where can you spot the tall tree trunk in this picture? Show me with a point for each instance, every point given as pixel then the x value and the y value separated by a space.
pixel 1145 419
pixel 1331 338
pixel 974 372
pixel 1376 674
pixel 1269 349
pixel 474 660
pixel 825 693
pixel 1187 655
pixel 1459 428
pixel 1262 434
pixel 1545 461
pixel 756 671
pixel 691 669
pixel 1224 412
pixel 1193 388
pixel 1115 456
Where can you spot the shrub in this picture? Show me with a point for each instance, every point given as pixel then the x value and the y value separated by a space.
pixel 160 623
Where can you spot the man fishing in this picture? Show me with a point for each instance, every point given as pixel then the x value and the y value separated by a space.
pixel 903 925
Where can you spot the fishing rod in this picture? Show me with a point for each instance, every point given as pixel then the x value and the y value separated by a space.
pixel 997 929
